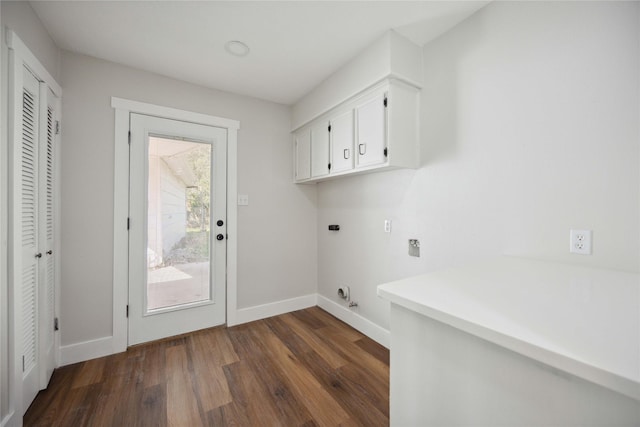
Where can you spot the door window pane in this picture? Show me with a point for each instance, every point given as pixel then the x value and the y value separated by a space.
pixel 178 223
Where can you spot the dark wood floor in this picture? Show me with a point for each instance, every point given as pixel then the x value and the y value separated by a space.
pixel 300 369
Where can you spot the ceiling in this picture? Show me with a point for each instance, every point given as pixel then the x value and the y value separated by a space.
pixel 294 45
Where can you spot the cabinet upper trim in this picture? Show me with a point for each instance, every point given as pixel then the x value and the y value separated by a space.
pixel 391 78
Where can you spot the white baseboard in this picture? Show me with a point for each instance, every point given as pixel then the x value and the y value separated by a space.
pixel 249 314
pixel 86 350
pixel 11 420
pixel 356 321
pixel 100 347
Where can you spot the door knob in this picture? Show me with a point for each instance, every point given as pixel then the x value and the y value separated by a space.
pixel 49 252
pixel 39 255
pixel 219 237
pixel 220 223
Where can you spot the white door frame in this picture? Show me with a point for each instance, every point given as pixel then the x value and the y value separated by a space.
pixel 123 108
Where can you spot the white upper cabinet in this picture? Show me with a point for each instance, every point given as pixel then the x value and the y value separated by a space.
pixel 302 147
pixel 373 131
pixel 371 106
pixel 342 136
pixel 320 149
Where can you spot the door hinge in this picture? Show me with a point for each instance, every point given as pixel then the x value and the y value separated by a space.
pixel 329 128
pixel 385 101
pixel 329 166
pixel 129 137
pixel 128 223
pixel 127 310
pixel 23 363
pixel 55 324
pixel 386 152
pixel 57 127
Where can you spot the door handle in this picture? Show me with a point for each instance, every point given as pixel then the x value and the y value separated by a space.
pixel 49 252
pixel 220 223
pixel 362 149
pixel 346 153
pixel 220 237
pixel 39 255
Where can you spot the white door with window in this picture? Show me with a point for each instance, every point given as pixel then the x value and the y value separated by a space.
pixel 177 227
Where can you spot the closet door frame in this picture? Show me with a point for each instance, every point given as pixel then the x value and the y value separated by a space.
pixel 20 57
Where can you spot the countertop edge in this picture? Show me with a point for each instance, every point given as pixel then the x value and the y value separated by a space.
pixel 626 386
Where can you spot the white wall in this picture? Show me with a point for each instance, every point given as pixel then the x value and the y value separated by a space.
pixel 20 17
pixel 530 127
pixel 277 231
pixel 392 54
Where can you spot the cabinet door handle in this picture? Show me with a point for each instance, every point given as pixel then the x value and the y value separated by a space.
pixel 346 153
pixel 362 149
pixel 49 252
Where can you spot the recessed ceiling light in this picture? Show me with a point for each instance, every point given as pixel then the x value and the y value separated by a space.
pixel 236 48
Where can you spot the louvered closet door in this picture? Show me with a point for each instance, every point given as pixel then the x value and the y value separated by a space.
pixel 49 109
pixel 27 199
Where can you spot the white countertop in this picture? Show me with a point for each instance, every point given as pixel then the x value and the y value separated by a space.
pixel 584 321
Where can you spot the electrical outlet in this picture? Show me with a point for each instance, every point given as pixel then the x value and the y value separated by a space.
pixel 580 242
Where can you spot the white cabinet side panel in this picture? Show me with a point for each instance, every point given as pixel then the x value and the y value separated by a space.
pixel 320 149
pixel 302 142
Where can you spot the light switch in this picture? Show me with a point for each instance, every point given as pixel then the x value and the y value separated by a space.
pixel 243 200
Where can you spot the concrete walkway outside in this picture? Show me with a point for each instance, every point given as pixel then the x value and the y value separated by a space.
pixel 178 284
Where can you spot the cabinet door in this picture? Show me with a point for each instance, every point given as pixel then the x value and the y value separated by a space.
pixel 320 149
pixel 303 154
pixel 49 139
pixel 371 128
pixel 26 234
pixel 342 142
